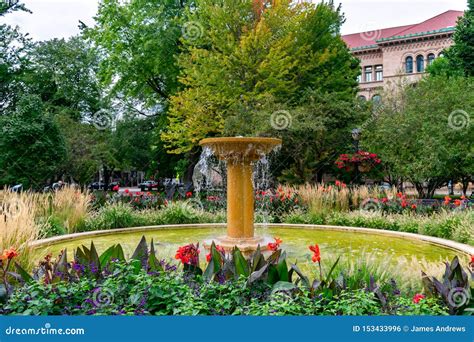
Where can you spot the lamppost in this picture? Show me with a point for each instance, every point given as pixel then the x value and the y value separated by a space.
pixel 356 133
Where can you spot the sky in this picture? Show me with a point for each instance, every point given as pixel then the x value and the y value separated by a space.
pixel 60 18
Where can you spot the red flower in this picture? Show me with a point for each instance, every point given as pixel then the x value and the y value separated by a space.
pixel 338 183
pixel 447 200
pixel 219 249
pixel 472 259
pixel 189 194
pixel 400 195
pixel 316 253
pixel 404 204
pixel 457 203
pixel 188 254
pixel 127 191
pixel 9 254
pixel 413 206
pixel 384 200
pixel 417 298
pixel 273 246
pixel 463 197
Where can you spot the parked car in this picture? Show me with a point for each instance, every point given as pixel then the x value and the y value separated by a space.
pixel 149 185
pixel 96 186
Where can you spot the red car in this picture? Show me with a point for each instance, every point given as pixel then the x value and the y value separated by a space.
pixel 148 185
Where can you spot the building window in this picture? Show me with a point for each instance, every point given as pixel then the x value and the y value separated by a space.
pixel 420 63
pixel 379 73
pixel 359 78
pixel 368 74
pixel 362 98
pixel 377 99
pixel 409 65
pixel 431 58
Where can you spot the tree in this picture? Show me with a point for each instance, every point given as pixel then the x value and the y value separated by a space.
pixel 14 47
pixel 244 70
pixel 139 41
pixel 32 148
pixel 64 74
pixel 461 54
pixel 425 134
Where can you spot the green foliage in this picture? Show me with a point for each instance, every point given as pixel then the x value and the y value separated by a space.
pixel 455 226
pixel 461 54
pixel 403 132
pixel 108 285
pixel 242 67
pixel 32 148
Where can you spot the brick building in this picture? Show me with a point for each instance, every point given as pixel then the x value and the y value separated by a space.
pixel 400 54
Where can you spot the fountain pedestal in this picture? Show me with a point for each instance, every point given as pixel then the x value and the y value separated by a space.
pixel 240 155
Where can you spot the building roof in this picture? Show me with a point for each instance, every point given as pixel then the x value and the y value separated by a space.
pixel 369 39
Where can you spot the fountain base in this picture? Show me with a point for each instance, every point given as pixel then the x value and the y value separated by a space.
pixel 246 245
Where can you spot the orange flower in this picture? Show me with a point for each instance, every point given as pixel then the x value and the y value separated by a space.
pixel 447 200
pixel 316 253
pixel 273 246
pixel 413 206
pixel 9 254
pixel 457 203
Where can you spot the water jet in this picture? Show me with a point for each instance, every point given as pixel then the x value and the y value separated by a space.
pixel 240 154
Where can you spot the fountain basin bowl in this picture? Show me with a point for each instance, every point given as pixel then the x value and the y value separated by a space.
pixel 241 148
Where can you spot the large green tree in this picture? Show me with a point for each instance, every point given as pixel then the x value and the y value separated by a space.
pixel 461 54
pixel 425 135
pixel 32 148
pixel 280 70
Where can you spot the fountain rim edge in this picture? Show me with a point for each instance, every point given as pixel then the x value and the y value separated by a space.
pixel 468 250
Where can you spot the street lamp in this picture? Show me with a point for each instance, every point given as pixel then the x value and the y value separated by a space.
pixel 356 133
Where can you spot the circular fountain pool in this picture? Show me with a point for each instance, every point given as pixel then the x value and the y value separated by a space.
pixel 349 243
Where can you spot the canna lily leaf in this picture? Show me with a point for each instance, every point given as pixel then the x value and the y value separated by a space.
pixel 24 275
pixel 257 275
pixel 300 274
pixel 141 252
pixel 241 264
pixel 283 286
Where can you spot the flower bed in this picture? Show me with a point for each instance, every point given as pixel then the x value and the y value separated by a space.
pixel 228 285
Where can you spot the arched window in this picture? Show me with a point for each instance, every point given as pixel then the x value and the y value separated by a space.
pixel 420 63
pixel 409 65
pixel 362 98
pixel 377 99
pixel 431 58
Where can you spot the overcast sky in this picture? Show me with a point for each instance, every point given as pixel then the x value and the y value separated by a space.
pixel 60 18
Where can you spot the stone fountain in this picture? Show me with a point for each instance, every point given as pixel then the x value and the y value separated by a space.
pixel 240 155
